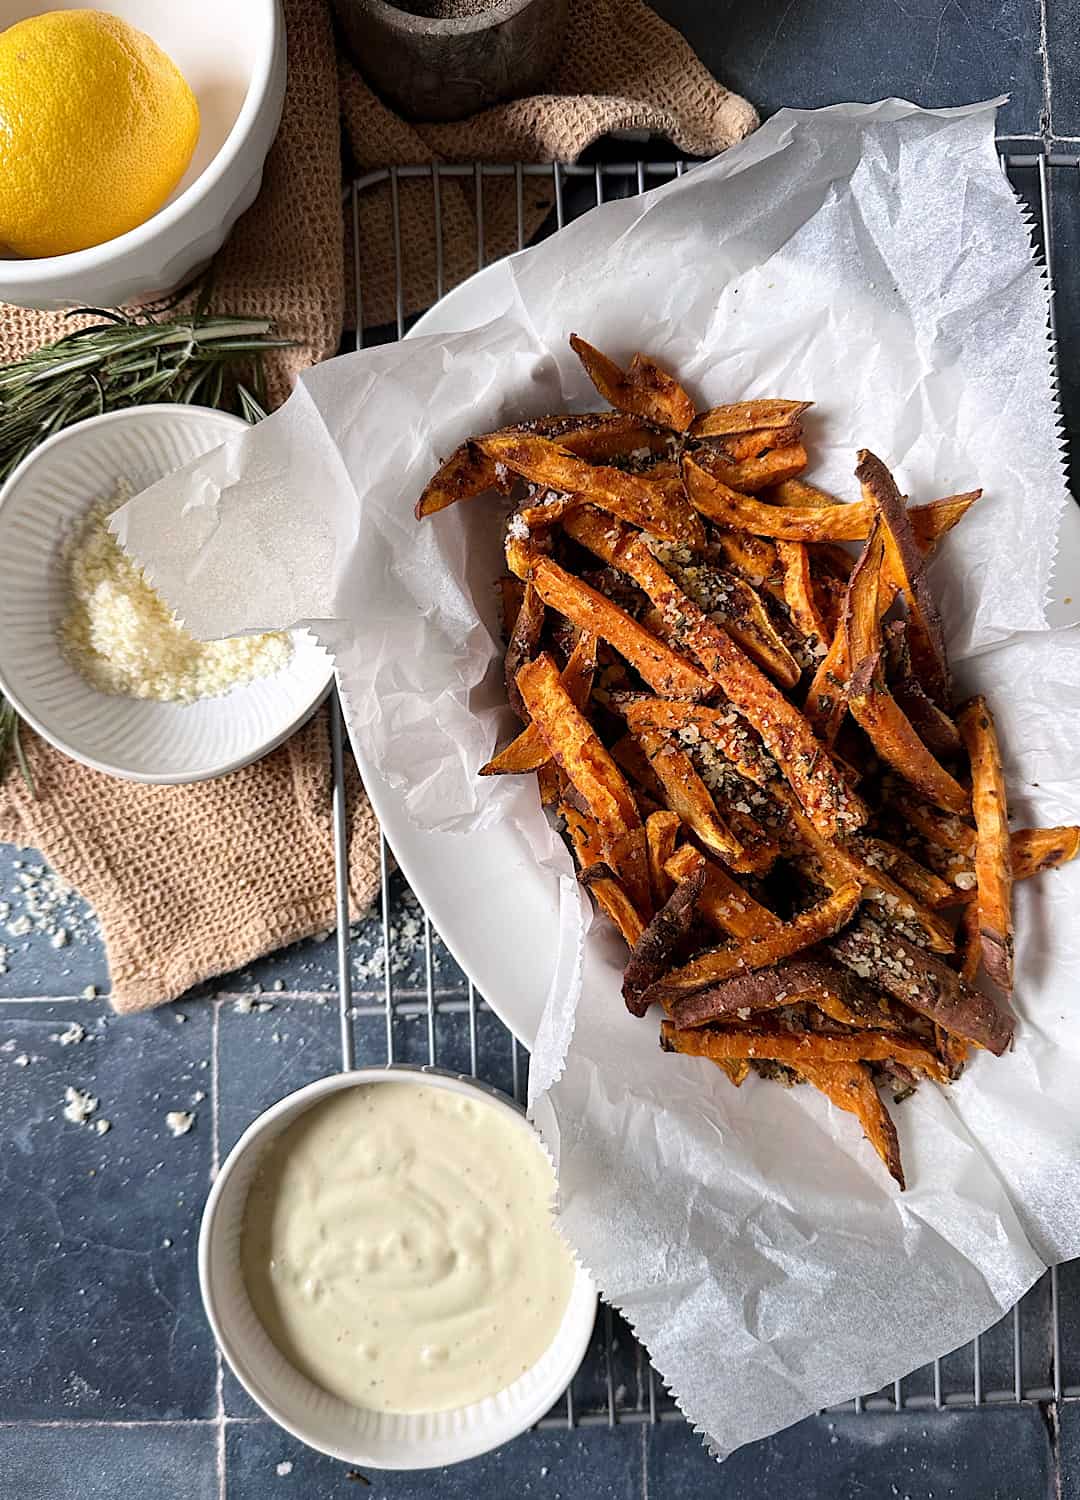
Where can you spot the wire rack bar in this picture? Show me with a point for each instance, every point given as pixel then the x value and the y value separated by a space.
pixel 1022 1361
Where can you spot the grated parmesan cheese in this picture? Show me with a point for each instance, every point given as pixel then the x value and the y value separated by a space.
pixel 122 637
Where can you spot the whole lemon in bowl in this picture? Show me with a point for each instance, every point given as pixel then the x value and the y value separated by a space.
pixel 97 127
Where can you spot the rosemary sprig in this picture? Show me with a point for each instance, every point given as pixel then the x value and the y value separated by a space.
pixel 125 361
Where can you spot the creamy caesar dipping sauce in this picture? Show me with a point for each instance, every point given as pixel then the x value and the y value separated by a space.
pixel 398 1247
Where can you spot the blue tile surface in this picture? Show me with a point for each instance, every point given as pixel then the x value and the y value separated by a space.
pixel 100 1309
pixel 168 1461
pixel 781 52
pixel 999 1453
pixel 596 1464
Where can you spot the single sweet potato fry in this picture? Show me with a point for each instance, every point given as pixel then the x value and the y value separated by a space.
pixel 661 834
pixel 905 571
pixel 993 855
pixel 723 902
pixel 940 829
pixel 1035 849
pixel 467 472
pixel 660 945
pixel 850 1087
pixel 826 701
pixel 753 558
pixel 528 752
pixel 713 487
pixel 511 591
pixel 926 887
pixel 933 726
pixel 522 645
pixel 747 416
pixel 933 521
pixel 747 445
pixel 799 493
pixel 797 1047
pixel 666 672
pixel 574 744
pixel 792 983
pixel 809 927
pixel 645 390
pixel 633 497
pixel 610 895
pixel 773 467
pixel 909 973
pixel 879 715
pixel 969 944
pixel 687 795
pixel 630 757
pixel 799 594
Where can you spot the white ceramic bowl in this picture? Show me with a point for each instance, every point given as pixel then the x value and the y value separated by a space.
pixel 380 1439
pixel 232 53
pixel 41 505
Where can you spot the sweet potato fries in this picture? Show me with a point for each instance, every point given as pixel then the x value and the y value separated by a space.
pixel 736 697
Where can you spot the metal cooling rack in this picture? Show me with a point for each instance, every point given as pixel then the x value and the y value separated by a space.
pixel 1033 1354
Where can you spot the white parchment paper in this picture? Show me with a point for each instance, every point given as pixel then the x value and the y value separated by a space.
pixel 871 259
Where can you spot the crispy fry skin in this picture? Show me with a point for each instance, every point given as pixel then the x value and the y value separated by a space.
pixel 798 492
pixel 522 645
pixel 923 982
pixel 645 390
pixel 661 834
pixel 752 474
pixel 933 521
pixel 792 983
pixel 687 795
pixel 942 829
pixel 633 497
pixel 748 445
pixel 933 726
pixel 993 855
pixel 799 593
pixel 573 743
pixel 661 942
pixel 529 752
pixel 809 927
pixel 511 592
pixel 1035 849
pixel 719 726
pixel 924 885
pixel 969 944
pixel 788 738
pixel 467 472
pixel 877 713
pixel 747 416
pixel 826 702
pixel 713 489
pixel 850 1087
pixel 663 669
pixel 723 902
pixel 753 558
pixel 795 1048
pixel 904 569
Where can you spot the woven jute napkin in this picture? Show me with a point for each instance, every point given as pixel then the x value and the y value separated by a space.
pixel 191 882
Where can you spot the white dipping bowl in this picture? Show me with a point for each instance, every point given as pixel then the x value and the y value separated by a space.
pixel 232 54
pixel 382 1440
pixel 41 506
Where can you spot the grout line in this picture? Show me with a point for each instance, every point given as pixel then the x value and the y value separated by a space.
pixel 1044 51
pixel 215 1163
pixel 644 1461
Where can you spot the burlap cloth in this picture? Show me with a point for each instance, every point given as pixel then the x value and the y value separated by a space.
pixel 191 882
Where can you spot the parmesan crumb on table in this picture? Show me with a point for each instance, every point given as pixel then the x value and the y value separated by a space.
pixel 122 637
pixel 78 1105
pixel 284 1468
pixel 179 1122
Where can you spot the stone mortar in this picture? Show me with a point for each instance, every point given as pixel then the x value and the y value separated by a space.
pixel 446 68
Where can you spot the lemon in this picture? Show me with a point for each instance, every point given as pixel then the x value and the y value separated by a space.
pixel 97 126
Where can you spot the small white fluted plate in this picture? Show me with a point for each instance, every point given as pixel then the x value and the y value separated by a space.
pixel 41 506
pixel 384 1440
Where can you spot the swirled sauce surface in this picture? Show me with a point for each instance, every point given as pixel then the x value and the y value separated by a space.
pixel 398 1247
